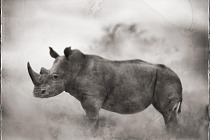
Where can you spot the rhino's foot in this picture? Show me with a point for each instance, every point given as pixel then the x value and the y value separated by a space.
pixel 91 128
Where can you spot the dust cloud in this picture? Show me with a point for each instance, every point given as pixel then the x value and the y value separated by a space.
pixel 114 32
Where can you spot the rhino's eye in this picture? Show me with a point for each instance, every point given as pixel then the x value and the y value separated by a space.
pixel 55 76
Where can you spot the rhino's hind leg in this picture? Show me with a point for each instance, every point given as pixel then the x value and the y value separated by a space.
pixel 170 111
pixel 167 97
pixel 171 116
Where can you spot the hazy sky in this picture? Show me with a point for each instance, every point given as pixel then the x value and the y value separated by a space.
pixel 83 19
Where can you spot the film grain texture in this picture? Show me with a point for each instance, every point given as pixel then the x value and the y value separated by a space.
pixel 171 33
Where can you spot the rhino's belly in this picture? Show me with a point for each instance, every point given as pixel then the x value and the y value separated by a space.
pixel 127 104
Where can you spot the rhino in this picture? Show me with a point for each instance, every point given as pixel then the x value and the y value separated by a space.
pixel 123 87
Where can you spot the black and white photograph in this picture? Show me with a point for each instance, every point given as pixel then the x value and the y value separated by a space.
pixel 104 70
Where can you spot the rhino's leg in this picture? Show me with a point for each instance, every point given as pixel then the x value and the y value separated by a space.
pixel 170 111
pixel 171 114
pixel 92 106
pixel 167 97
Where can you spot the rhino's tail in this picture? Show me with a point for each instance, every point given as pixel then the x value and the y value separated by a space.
pixel 179 110
pixel 177 107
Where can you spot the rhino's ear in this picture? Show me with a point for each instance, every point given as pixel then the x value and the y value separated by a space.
pixel 67 52
pixel 53 54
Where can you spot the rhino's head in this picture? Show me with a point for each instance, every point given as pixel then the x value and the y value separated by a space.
pixel 62 75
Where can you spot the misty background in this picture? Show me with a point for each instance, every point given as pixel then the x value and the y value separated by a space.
pixel 172 32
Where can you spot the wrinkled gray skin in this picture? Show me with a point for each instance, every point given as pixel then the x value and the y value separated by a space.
pixel 123 87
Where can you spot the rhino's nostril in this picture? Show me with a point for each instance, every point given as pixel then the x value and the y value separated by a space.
pixel 43 91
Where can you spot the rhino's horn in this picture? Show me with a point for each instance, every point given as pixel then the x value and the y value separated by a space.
pixel 34 76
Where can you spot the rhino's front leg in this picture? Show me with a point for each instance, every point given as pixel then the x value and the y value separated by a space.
pixel 92 106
